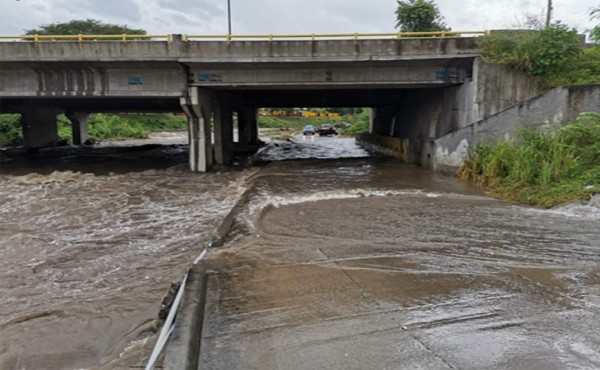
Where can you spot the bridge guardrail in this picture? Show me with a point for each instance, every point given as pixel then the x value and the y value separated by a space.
pixel 355 36
pixel 82 38
pixel 257 37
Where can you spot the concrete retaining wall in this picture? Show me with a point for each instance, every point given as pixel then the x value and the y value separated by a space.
pixel 423 115
pixel 555 107
pixel 386 145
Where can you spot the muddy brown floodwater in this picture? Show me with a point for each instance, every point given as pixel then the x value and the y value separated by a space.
pixel 333 263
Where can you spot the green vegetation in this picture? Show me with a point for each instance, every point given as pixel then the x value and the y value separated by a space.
pixel 281 122
pixel 584 69
pixel 419 16
pixel 358 123
pixel 10 130
pixel 84 27
pixel 101 126
pixel 541 167
pixel 553 55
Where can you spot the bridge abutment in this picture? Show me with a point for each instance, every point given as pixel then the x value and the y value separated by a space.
pixel 39 126
pixel 421 116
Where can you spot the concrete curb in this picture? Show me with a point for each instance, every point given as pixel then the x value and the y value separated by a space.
pixel 183 348
pixel 226 225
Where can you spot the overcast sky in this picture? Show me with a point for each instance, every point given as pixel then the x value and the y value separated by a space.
pixel 278 16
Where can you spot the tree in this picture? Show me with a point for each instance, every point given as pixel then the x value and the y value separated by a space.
pixel 84 27
pixel 595 13
pixel 555 48
pixel 419 16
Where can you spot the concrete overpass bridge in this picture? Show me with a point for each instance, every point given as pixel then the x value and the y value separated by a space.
pixel 419 88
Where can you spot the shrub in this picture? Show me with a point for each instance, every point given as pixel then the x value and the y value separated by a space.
pixel 104 126
pixel 541 167
pixel 553 55
pixel 10 130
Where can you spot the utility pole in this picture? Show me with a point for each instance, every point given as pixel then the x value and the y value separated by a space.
pixel 549 14
pixel 229 17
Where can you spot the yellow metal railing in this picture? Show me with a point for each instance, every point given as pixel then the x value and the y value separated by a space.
pixel 258 37
pixel 82 38
pixel 354 36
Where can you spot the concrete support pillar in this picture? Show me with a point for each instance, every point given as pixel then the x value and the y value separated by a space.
pixel 39 126
pixel 247 126
pixel 253 126
pixel 383 120
pixel 241 134
pixel 223 130
pixel 198 108
pixel 79 125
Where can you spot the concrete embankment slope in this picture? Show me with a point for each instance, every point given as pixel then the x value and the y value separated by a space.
pixel 555 107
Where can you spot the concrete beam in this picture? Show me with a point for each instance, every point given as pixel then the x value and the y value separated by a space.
pixel 246 51
pixel 351 74
pixel 39 126
pixel 79 125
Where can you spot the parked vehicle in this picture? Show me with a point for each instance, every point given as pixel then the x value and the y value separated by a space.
pixel 308 130
pixel 327 129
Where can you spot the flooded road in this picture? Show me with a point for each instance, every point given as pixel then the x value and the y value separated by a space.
pixel 347 263
pixel 369 263
pixel 86 258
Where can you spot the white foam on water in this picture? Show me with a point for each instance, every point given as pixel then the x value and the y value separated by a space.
pixel 572 210
pixel 268 200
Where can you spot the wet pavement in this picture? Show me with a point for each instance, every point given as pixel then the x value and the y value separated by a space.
pixel 333 263
pixel 376 264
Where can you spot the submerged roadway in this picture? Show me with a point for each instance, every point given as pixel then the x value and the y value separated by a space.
pixel 343 262
pixel 369 263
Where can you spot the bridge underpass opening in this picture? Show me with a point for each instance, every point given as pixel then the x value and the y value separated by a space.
pixel 408 118
pixel 311 133
pixel 230 117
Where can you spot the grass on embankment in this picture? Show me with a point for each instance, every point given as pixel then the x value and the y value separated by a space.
pixel 541 168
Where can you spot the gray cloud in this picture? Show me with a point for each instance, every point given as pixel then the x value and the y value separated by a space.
pixel 274 16
pixel 126 9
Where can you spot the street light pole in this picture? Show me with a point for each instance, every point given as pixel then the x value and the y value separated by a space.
pixel 229 17
pixel 549 14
